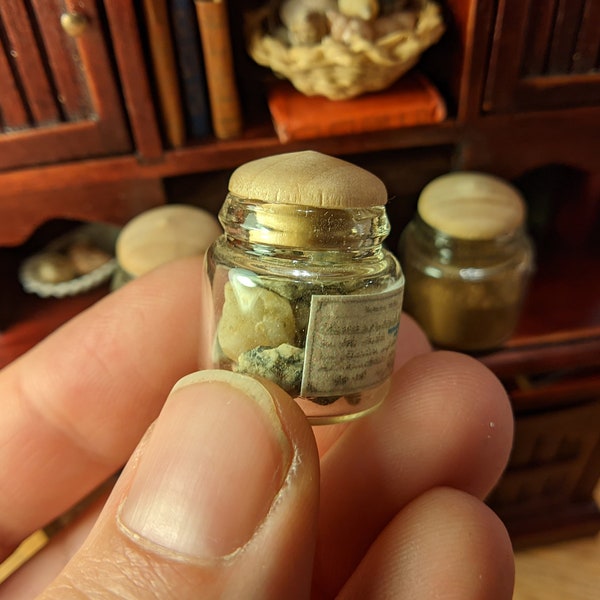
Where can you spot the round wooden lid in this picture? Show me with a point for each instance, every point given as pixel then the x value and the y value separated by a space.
pixel 162 234
pixel 471 206
pixel 308 178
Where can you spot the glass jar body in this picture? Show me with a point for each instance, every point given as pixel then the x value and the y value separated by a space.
pixel 321 322
pixel 466 294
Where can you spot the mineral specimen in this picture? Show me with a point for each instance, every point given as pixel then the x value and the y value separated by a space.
pixel 253 316
pixel 282 365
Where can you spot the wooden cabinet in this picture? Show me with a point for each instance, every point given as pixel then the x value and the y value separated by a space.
pixel 77 119
pixel 82 131
pixel 533 88
pixel 544 54
pixel 59 97
pixel 80 138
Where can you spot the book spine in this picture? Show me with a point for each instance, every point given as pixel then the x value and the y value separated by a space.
pixel 220 72
pixel 191 68
pixel 355 124
pixel 165 70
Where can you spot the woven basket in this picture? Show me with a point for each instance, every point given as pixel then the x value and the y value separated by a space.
pixel 337 70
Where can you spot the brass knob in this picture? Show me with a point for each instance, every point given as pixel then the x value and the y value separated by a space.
pixel 73 23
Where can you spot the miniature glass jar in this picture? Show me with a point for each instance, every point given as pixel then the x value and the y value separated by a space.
pixel 303 292
pixel 467 261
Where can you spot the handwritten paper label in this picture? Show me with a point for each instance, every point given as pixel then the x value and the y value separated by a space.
pixel 350 342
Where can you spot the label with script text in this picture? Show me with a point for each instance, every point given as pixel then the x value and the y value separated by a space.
pixel 350 342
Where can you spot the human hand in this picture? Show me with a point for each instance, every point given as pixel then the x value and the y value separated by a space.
pixel 230 493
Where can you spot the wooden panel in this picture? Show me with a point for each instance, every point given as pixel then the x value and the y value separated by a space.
pixel 29 62
pixel 509 145
pixel 110 202
pixel 94 58
pixel 136 86
pixel 587 49
pixel 543 356
pixel 508 44
pixel 543 56
pixel 13 113
pixel 539 36
pixel 552 453
pixel 564 36
pixel 62 55
pixel 472 20
pixel 560 393
pixel 557 91
pixel 46 144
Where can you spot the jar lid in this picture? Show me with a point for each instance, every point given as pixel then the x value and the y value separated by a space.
pixel 162 234
pixel 308 178
pixel 471 206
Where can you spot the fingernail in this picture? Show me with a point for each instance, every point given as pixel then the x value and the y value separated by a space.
pixel 215 461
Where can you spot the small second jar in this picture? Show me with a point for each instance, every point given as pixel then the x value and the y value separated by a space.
pixel 467 260
pixel 302 291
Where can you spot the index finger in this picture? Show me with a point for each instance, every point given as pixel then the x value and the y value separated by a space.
pixel 75 406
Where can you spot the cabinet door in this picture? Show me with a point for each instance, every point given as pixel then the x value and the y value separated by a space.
pixel 58 94
pixel 545 54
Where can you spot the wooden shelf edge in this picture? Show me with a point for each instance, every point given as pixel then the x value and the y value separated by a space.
pixel 225 154
pixel 213 155
pixel 546 352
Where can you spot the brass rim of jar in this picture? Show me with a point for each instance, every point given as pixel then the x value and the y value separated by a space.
pixel 298 226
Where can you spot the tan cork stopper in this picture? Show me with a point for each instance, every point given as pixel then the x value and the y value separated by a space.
pixel 308 178
pixel 472 206
pixel 163 234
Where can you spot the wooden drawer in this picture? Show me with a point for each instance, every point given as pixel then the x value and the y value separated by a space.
pixel 546 492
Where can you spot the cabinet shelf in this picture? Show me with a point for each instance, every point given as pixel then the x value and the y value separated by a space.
pixel 261 140
pixel 546 329
pixel 116 185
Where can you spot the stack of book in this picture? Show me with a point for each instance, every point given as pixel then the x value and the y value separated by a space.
pixel 413 100
pixel 192 60
pixel 191 51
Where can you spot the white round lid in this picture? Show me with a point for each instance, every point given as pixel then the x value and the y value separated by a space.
pixel 308 178
pixel 472 206
pixel 165 233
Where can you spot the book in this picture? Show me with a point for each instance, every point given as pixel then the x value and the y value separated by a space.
pixel 226 113
pixel 412 100
pixel 191 68
pixel 165 70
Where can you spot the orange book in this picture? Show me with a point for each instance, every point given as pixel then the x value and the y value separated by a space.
pixel 411 101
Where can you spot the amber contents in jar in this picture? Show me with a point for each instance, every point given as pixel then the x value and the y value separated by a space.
pixel 467 261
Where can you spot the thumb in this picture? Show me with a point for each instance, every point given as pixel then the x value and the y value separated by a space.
pixel 219 500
